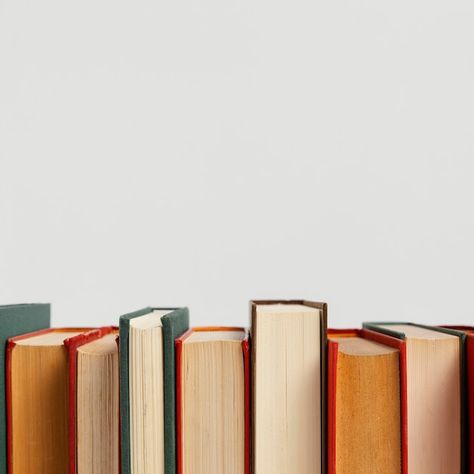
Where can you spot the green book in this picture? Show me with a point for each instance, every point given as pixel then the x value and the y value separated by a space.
pixel 15 320
pixel 147 361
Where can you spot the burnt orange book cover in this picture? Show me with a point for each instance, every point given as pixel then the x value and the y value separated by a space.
pixel 71 344
pixel 332 387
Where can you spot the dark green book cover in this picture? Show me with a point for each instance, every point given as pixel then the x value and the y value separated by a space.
pixel 15 320
pixel 174 324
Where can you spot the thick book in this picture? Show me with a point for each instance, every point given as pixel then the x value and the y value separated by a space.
pixel 213 401
pixel 432 425
pixel 288 340
pixel 78 383
pixel 15 320
pixel 154 330
pixel 37 391
pixel 364 403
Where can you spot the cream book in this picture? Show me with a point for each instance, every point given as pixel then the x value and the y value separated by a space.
pixel 288 374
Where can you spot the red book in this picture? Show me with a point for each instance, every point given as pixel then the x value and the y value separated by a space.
pixel 72 344
pixel 210 376
pixel 333 356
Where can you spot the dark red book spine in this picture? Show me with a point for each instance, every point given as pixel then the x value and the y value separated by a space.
pixel 470 397
pixel 246 354
pixel 179 395
pixel 333 349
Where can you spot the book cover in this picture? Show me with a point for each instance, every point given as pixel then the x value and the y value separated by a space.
pixel 246 366
pixel 333 351
pixel 72 344
pixel 15 320
pixel 86 335
pixel 323 367
pixel 174 324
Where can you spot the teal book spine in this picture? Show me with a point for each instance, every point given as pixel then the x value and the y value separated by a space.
pixel 174 324
pixel 14 321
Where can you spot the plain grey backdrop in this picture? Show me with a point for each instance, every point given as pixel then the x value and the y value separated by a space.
pixel 203 153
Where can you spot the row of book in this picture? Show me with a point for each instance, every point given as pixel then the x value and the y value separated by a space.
pixel 152 396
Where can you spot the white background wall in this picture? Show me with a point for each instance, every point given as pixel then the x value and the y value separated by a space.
pixel 204 153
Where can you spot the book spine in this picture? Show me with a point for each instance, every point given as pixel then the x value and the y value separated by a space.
pixel 470 398
pixel 179 408
pixel 8 398
pixel 333 349
pixel 246 357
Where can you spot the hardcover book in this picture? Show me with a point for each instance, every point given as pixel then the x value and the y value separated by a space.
pixel 147 388
pixel 93 402
pixel 364 403
pixel 38 400
pixel 433 395
pixel 289 387
pixel 15 320
pixel 213 401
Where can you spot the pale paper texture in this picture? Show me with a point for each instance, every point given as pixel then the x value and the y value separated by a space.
pixel 287 390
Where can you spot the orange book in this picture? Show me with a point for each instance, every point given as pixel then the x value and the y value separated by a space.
pixel 366 402
pixel 41 399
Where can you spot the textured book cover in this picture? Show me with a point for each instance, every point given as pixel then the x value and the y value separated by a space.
pixel 174 324
pixel 246 367
pixel 16 320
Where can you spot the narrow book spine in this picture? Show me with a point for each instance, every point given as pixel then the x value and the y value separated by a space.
pixel 179 393
pixel 333 349
pixel 470 397
pixel 8 398
pixel 246 357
